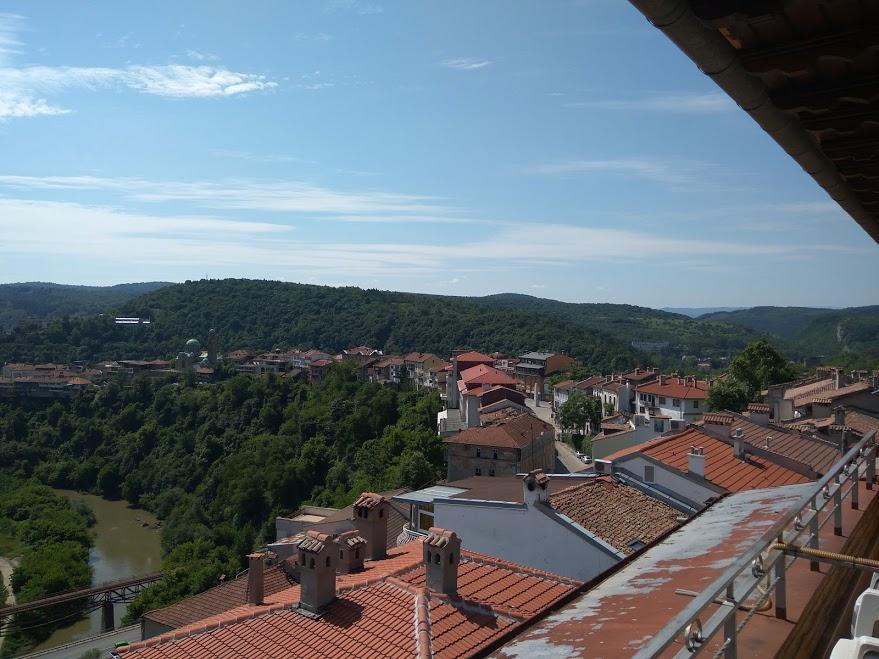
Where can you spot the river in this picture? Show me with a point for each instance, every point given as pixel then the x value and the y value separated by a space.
pixel 124 547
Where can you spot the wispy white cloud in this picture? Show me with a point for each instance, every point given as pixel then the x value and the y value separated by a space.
pixel 649 169
pixel 313 37
pixel 23 89
pixel 254 157
pixel 241 194
pixel 465 63
pixel 683 103
pixel 361 7
pixel 10 26
pixel 201 56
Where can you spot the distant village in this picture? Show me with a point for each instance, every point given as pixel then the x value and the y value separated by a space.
pixel 517 502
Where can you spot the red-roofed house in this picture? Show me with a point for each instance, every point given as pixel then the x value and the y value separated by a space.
pixel 507 446
pixel 696 466
pixel 425 598
pixel 674 397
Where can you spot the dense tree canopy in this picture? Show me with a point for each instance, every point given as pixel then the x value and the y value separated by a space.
pixel 218 462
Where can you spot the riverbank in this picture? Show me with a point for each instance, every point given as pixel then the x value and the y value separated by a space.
pixel 127 544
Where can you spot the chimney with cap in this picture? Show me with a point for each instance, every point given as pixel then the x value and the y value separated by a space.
pixel 696 461
pixel 317 571
pixel 536 487
pixel 371 521
pixel 255 579
pixel 839 416
pixel 739 443
pixel 352 551
pixel 442 554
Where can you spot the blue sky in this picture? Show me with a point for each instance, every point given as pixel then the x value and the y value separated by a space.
pixel 563 149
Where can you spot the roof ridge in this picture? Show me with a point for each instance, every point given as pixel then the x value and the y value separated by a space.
pixel 515 568
pixel 423 645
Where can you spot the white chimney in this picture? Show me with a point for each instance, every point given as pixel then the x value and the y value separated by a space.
pixel 739 443
pixel 661 380
pixel 696 461
pixel 536 487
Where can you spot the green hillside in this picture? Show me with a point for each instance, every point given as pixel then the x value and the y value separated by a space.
pixel 631 323
pixel 849 336
pixel 268 314
pixel 39 301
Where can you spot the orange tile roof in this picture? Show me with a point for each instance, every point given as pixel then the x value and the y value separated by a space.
pixel 809 388
pixel 384 611
pixel 810 452
pixel 515 432
pixel 615 512
pixel 482 374
pixel 473 356
pixel 721 466
pixel 676 388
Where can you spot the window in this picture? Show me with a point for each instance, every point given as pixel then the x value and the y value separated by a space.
pixel 648 473
pixel 662 400
pixel 479 471
pixel 478 452
pixel 676 402
pixel 695 404
pixel 494 454
pixel 641 409
pixel 341 555
pixel 328 561
pixel 491 470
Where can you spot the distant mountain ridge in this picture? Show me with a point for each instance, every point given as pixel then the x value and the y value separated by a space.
pixel 697 312
pixel 42 301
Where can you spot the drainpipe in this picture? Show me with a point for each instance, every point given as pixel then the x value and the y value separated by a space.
pixel 717 59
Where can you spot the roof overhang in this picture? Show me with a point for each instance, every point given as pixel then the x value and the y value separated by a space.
pixel 805 71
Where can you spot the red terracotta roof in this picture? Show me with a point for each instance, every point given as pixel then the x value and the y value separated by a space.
pixel 686 388
pixel 482 374
pixel 473 356
pixel 721 465
pixel 758 408
pixel 516 432
pixel 321 362
pixel 384 611
pixel 618 514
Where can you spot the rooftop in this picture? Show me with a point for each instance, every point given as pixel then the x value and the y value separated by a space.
pixel 673 387
pixel 473 356
pixel 722 467
pixel 814 453
pixel 617 513
pixel 625 611
pixel 482 374
pixel 510 432
pixel 385 610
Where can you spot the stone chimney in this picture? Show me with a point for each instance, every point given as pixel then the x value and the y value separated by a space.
pixel 739 443
pixel 442 554
pixel 352 551
pixel 696 461
pixel 371 512
pixel 471 411
pixel 255 579
pixel 839 416
pixel 317 571
pixel 838 378
pixel 536 487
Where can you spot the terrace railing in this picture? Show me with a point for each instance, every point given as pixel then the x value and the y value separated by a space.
pixel 795 535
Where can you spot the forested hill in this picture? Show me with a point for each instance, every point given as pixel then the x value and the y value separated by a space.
pixel 852 334
pixel 43 301
pixel 632 323
pixel 267 314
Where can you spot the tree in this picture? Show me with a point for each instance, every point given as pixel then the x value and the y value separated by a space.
pixel 578 411
pixel 728 394
pixel 758 366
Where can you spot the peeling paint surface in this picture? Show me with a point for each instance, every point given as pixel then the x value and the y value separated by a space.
pixel 621 614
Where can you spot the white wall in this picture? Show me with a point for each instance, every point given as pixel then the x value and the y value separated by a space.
pixel 601 448
pixel 686 488
pixel 523 535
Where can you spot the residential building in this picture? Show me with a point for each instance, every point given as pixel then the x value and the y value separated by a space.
pixel 544 521
pixel 533 368
pixel 681 398
pixel 697 467
pixel 387 370
pixel 512 444
pixel 361 354
pixel 563 390
pixel 614 394
pixel 418 366
pixel 317 370
pixel 342 600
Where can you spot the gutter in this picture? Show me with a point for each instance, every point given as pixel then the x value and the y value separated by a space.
pixel 717 59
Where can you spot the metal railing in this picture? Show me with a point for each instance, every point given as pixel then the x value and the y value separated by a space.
pixel 765 561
